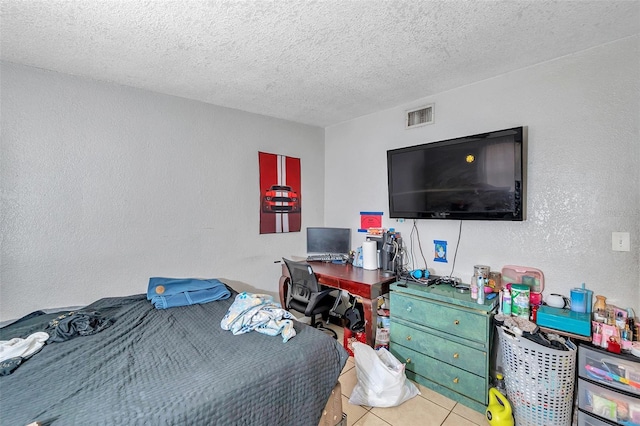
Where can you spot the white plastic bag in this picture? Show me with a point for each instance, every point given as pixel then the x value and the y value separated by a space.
pixel 381 378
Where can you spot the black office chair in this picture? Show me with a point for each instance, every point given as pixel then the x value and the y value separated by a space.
pixel 305 294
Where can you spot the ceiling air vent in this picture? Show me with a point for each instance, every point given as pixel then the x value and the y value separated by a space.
pixel 419 117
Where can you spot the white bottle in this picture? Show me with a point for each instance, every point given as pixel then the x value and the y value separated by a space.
pixel 480 290
pixel 506 302
pixel 474 291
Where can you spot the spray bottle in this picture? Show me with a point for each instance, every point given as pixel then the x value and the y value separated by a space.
pixel 480 285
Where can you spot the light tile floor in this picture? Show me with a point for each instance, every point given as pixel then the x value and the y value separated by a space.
pixel 427 409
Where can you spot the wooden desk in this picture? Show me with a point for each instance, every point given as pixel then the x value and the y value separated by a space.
pixel 368 285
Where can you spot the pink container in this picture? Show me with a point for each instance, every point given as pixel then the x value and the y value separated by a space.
pixel 535 299
pixel 513 274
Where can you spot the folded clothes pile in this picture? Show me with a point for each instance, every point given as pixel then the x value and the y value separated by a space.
pixel 172 292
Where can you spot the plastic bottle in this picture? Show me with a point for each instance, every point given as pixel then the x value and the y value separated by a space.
pixel 596 338
pixel 506 302
pixel 480 286
pixel 627 337
pixel 631 323
pixel 500 385
pixel 474 291
pixel 499 411
pixel 534 313
pixel 599 309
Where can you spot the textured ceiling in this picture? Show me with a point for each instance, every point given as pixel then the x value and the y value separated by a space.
pixel 314 62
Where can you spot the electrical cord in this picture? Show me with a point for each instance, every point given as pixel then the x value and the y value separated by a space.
pixel 407 277
pixel 395 250
pixel 453 266
pixel 413 228
pixel 399 251
pixel 416 232
pixel 420 244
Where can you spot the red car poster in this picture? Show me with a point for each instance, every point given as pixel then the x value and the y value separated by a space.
pixel 279 193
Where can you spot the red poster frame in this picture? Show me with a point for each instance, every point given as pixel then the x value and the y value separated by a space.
pixel 280 193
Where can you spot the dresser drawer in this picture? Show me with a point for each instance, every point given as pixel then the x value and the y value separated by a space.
pixel 608 404
pixel 456 379
pixel 446 318
pixel 456 354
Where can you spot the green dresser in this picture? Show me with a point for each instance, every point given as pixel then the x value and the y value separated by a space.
pixel 444 338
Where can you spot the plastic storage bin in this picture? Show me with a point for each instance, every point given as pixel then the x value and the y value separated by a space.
pixel 585 419
pixel 608 387
pixel 608 403
pixel 609 369
pixel 540 380
pixel 513 274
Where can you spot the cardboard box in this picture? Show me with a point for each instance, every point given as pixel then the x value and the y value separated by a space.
pixel 332 413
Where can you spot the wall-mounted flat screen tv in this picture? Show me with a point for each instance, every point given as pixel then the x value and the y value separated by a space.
pixel 480 177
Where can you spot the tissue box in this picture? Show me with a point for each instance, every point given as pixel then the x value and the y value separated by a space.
pixel 564 320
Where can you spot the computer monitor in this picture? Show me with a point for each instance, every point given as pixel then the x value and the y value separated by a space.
pixel 322 240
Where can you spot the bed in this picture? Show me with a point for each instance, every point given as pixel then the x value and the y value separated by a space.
pixel 170 367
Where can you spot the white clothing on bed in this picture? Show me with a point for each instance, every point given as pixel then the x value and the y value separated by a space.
pixel 22 348
pixel 258 312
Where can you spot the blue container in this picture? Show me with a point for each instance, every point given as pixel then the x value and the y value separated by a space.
pixel 564 320
pixel 578 300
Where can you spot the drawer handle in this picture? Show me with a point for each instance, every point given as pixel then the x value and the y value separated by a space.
pixel 408 337
pixel 408 308
pixel 456 355
pixel 455 380
pixel 408 360
pixel 456 322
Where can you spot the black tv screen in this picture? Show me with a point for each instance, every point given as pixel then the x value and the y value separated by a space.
pixel 322 240
pixel 478 177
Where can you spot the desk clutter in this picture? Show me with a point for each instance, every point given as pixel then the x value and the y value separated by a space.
pixel 577 315
pixel 519 291
pixel 381 250
pixel 539 359
pixel 354 330
pixel 614 329
pixel 443 330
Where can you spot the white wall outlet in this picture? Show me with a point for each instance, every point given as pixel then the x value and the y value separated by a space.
pixel 620 241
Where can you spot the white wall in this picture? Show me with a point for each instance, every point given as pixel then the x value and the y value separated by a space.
pixel 582 114
pixel 104 186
